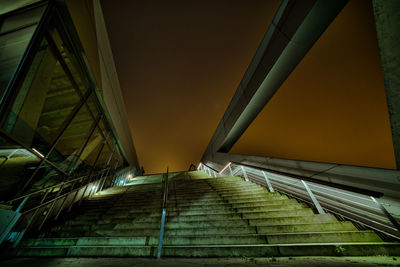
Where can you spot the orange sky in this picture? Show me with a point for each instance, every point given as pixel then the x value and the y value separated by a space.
pixel 179 63
pixel 332 108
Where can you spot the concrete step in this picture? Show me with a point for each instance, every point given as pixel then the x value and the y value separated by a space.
pixel 187 218
pixel 322 227
pixel 233 189
pixel 200 208
pixel 156 232
pixel 239 200
pixel 320 249
pixel 263 203
pixel 264 194
pixel 272 208
pixel 285 220
pixel 279 213
pixel 190 198
pixel 216 216
pixel 311 227
pixel 233 222
pixel 236 239
pixel 172 202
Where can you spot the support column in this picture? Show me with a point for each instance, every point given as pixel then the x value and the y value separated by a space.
pixel 387 21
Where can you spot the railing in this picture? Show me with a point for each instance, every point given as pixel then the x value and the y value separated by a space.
pixel 164 211
pixel 355 205
pixel 35 208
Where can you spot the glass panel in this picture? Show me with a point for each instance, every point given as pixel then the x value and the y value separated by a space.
pixel 19 20
pixel 45 100
pixel 12 46
pixel 69 60
pixel 102 161
pixel 46 176
pixel 16 166
pixel 70 144
pixel 103 129
pixel 120 162
pixel 111 165
pixel 14 43
pixel 89 154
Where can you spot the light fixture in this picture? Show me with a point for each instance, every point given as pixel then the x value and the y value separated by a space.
pixel 38 152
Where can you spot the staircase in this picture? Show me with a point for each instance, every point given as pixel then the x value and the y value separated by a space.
pixel 206 217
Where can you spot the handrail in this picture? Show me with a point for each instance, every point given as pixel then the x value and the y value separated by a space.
pixel 210 167
pixel 52 200
pixel 308 179
pixel 165 198
pixel 47 188
pixel 164 210
pixel 33 211
pixel 354 205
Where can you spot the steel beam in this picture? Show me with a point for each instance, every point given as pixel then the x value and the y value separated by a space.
pixel 295 28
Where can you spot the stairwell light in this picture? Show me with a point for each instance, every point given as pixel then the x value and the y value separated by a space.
pixel 38 152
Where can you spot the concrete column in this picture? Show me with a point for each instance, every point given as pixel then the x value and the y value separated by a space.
pixel 387 21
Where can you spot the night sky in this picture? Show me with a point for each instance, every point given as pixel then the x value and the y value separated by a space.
pixel 180 62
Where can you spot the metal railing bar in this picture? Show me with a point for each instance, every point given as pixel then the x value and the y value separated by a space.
pixel 322 194
pixel 46 188
pixel 54 199
pixel 164 211
pixel 316 181
pixel 390 217
pixel 210 167
pixel 343 208
pixel 348 203
pixel 18 142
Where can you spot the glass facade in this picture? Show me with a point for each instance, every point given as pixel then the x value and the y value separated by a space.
pixel 53 127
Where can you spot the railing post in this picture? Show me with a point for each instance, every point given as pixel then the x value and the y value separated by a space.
pixel 164 211
pixel 313 198
pixel 76 194
pixel 244 174
pixel 51 207
pixel 388 215
pixel 61 207
pixel 268 182
pixel 230 170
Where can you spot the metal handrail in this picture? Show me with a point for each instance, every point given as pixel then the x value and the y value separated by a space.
pixel 165 198
pixel 351 204
pixel 309 179
pixel 51 203
pixel 47 188
pixel 164 211
pixel 53 199
pixel 210 167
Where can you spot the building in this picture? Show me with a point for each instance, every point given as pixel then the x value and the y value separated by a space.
pixel 64 132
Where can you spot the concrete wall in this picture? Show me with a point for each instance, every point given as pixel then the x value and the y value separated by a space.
pixel 89 22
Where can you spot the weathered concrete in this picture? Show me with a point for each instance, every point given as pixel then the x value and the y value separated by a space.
pixel 241 261
pixel 207 220
pixel 387 21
